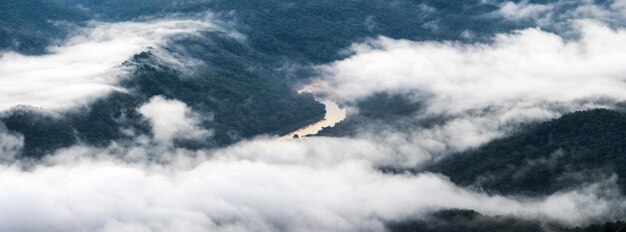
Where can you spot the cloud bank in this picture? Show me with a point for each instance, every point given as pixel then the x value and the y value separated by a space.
pixel 85 189
pixel 10 144
pixel 528 66
pixel 482 90
pixel 524 9
pixel 558 15
pixel 88 65
pixel 314 184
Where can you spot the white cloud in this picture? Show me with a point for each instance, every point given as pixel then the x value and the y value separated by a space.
pixel 88 65
pixel 10 144
pixel 315 184
pixel 619 5
pixel 173 120
pixel 557 15
pixel 523 9
pixel 483 90
pixel 527 66
pixel 227 191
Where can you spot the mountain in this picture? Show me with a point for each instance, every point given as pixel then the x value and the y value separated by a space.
pixel 469 221
pixel 241 90
pixel 29 26
pixel 577 148
pixel 244 85
pixel 317 31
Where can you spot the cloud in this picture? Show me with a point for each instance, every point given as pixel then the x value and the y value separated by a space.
pixel 558 15
pixel 173 120
pixel 524 67
pixel 10 144
pixel 88 65
pixel 482 91
pixel 86 189
pixel 523 9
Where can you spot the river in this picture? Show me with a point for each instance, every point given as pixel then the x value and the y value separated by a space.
pixel 334 114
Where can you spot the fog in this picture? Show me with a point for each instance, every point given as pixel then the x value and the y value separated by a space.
pixel 89 64
pixel 482 90
pixel 89 189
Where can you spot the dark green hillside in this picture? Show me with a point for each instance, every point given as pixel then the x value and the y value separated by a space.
pixel 240 87
pixel 576 148
pixel 317 31
pixel 42 132
pixel 97 124
pixel 395 111
pixel 28 26
pixel 457 220
pixel 465 221
pixel 240 92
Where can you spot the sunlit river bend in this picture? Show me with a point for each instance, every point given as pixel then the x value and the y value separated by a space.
pixel 334 114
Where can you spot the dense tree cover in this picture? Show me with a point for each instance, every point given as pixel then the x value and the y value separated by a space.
pixel 469 221
pixel 466 221
pixel 240 93
pixel 380 110
pixel 28 26
pixel 42 132
pixel 619 226
pixel 243 85
pixel 577 148
pixel 318 30
pixel 105 120
pixel 244 89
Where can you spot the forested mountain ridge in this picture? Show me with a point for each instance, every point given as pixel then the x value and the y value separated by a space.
pixel 30 26
pixel 247 85
pixel 470 221
pixel 307 31
pixel 443 115
pixel 579 147
pixel 239 104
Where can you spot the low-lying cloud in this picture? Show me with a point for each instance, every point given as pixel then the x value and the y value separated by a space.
pixel 483 90
pixel 522 10
pixel 558 15
pixel 88 65
pixel 10 144
pixel 525 67
pixel 84 189
pixel 173 120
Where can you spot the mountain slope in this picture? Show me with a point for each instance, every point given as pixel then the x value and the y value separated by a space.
pixel 241 92
pixel 577 148
pixel 317 31
pixel 28 26
pixel 470 221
